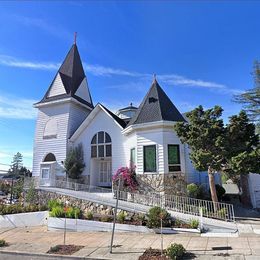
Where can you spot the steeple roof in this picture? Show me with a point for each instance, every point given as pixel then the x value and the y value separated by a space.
pixel 156 106
pixel 70 80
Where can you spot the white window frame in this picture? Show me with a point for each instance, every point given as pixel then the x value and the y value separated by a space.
pixel 45 168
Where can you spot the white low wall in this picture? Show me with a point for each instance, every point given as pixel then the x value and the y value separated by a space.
pixel 81 225
pixel 29 219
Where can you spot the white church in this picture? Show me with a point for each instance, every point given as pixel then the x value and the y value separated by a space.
pixel 141 136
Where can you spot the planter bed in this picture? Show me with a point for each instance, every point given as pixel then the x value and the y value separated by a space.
pixel 80 225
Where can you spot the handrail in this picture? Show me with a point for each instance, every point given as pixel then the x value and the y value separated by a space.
pixel 187 205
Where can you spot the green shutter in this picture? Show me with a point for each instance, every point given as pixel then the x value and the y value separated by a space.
pixel 150 158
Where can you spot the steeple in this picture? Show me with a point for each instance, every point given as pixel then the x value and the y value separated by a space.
pixel 156 106
pixel 70 80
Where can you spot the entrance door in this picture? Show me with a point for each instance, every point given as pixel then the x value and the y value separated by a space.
pixel 105 173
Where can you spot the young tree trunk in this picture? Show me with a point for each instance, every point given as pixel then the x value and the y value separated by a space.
pixel 212 187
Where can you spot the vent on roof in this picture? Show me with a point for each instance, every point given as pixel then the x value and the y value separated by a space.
pixel 152 100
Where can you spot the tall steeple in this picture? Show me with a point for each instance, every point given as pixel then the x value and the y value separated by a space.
pixel 70 81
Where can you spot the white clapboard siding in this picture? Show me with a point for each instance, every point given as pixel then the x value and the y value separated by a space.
pixel 67 117
pixel 144 138
pixel 102 122
pixel 57 87
pixel 77 115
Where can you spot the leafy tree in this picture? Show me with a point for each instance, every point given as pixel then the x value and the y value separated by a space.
pixel 243 150
pixel 74 163
pixel 205 134
pixel 243 145
pixel 25 172
pixel 251 98
pixel 18 189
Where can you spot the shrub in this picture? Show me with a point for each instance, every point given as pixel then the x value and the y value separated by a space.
pixel 70 212
pixel 54 203
pixel 3 243
pixel 121 216
pixel 220 191
pixel 194 223
pixel 177 222
pixel 222 213
pixel 57 212
pixel 193 190
pixel 89 215
pixel 154 217
pixel 175 251
pixel 77 213
pixel 105 218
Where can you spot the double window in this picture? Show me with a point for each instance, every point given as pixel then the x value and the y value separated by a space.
pixel 174 158
pixel 150 158
pixel 101 145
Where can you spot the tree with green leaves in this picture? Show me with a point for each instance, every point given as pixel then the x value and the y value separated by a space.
pixel 243 151
pixel 251 98
pixel 74 162
pixel 205 134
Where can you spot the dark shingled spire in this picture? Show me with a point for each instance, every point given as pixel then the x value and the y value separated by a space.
pixel 72 74
pixel 71 70
pixel 156 106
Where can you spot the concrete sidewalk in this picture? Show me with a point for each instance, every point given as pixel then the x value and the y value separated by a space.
pixel 129 245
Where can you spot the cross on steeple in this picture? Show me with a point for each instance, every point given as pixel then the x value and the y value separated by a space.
pixel 75 37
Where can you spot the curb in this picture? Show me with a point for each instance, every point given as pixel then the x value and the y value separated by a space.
pixel 70 257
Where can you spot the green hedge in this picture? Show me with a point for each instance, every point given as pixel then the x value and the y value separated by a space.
pixel 18 208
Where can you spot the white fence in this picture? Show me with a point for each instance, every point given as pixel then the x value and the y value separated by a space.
pixel 186 205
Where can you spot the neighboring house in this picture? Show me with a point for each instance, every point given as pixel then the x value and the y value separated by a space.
pixel 141 136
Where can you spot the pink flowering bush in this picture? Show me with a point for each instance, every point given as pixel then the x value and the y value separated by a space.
pixel 128 177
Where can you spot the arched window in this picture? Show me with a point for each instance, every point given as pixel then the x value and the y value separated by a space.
pixel 51 129
pixel 50 157
pixel 101 145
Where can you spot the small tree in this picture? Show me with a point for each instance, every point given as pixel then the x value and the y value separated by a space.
pixel 16 164
pixel 74 163
pixel 31 195
pixel 205 134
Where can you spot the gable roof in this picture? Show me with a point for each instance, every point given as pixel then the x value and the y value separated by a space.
pixel 72 75
pixel 156 106
pixel 92 115
pixel 116 118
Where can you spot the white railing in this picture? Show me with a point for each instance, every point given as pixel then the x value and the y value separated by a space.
pixel 186 205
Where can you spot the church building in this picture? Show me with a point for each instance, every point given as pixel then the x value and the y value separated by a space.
pixel 142 136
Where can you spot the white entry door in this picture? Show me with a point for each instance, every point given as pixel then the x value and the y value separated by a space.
pixel 105 173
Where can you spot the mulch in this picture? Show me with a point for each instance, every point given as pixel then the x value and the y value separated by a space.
pixel 64 249
pixel 152 254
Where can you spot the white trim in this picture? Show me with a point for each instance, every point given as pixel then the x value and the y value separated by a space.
pixel 60 101
pixel 149 125
pixel 88 120
pixel 46 168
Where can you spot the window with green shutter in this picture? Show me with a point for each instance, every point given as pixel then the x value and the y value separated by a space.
pixel 174 158
pixel 150 158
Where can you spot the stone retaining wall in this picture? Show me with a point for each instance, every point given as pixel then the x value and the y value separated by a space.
pixel 44 196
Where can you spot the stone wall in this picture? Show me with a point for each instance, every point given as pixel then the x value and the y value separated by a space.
pixel 172 184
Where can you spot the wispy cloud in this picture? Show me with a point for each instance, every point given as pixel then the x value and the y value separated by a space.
pixel 104 71
pixel 55 30
pixel 16 108
pixel 13 62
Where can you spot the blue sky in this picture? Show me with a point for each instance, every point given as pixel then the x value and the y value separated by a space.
pixel 202 53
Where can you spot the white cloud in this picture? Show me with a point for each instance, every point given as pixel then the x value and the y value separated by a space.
pixel 17 108
pixel 13 62
pixel 99 70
